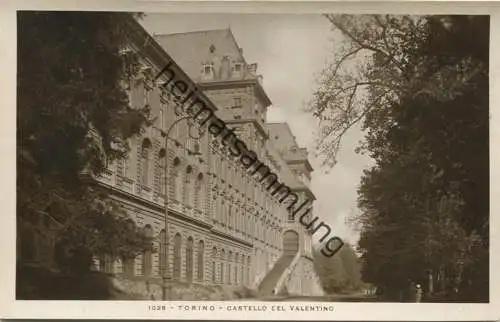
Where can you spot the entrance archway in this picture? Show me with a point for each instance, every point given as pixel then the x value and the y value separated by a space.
pixel 290 242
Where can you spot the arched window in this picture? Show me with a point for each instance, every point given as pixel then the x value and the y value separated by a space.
pixel 129 262
pixel 244 270
pixel 145 161
pixel 242 267
pixel 162 116
pixel 176 184
pixel 223 212
pixel 218 207
pixel 197 192
pixel 108 264
pixel 222 259
pixel 214 265
pixel 122 166
pixel 223 168
pixel 236 267
pixel 146 255
pixel 230 216
pixel 129 266
pixel 200 261
pixel 162 162
pixel 177 256
pixel 249 266
pixel 186 193
pixel 229 259
pixel 189 260
pixel 163 252
pixel 101 263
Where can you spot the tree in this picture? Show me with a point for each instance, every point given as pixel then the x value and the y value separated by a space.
pixel 340 273
pixel 419 85
pixel 331 272
pixel 352 267
pixel 73 116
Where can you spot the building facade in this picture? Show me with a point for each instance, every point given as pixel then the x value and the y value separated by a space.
pixel 223 226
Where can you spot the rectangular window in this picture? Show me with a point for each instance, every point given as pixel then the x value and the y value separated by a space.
pixel 237 67
pixel 207 69
pixel 123 167
pixel 237 103
pixel 237 117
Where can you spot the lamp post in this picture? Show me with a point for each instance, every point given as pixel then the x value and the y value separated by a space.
pixel 166 271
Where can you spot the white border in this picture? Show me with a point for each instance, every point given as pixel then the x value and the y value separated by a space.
pixel 9 308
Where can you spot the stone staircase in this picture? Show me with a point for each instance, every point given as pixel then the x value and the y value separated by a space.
pixel 269 282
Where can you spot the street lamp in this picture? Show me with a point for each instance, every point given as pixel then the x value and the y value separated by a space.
pixel 166 271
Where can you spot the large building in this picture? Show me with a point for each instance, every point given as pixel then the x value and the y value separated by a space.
pixel 224 227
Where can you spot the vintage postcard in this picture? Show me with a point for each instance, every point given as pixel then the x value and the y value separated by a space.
pixel 285 161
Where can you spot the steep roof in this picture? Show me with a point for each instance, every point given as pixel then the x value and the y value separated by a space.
pixel 191 49
pixel 285 174
pixel 281 135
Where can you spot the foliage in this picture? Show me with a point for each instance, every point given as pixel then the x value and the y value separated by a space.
pixel 419 85
pixel 74 116
pixel 340 273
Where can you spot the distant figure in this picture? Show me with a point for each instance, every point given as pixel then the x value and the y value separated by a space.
pixel 418 293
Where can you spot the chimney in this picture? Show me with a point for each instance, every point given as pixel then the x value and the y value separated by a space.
pixel 225 68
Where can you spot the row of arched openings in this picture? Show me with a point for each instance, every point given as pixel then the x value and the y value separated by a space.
pixel 229 269
pixel 190 257
pixel 146 165
pixel 180 190
pixel 129 264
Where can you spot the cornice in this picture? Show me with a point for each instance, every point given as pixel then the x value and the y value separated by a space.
pixel 234 83
pixel 305 161
pixel 154 206
pixel 232 238
pixel 256 123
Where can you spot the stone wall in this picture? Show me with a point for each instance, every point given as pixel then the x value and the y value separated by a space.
pixel 142 289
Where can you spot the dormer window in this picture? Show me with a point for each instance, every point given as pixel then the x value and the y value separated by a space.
pixel 207 69
pixel 237 103
pixel 237 69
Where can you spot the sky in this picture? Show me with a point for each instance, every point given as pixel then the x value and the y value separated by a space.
pixel 290 51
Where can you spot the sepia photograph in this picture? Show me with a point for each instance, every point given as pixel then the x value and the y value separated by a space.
pixel 252 158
